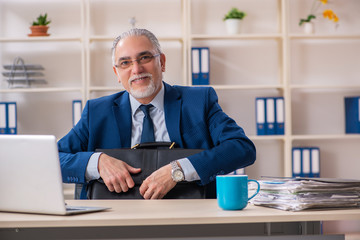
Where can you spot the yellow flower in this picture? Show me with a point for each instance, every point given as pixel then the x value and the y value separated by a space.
pixel 328 13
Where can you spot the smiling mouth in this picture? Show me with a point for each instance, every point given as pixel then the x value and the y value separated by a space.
pixel 139 79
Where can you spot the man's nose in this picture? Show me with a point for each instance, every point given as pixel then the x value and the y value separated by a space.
pixel 136 67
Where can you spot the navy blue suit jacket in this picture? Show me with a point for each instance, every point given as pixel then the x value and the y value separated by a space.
pixel 193 118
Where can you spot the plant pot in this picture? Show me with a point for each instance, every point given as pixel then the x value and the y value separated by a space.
pixel 233 26
pixel 38 31
pixel 308 28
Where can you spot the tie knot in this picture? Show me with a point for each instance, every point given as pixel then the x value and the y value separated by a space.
pixel 145 109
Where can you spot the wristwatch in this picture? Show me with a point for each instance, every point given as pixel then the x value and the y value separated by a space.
pixel 176 172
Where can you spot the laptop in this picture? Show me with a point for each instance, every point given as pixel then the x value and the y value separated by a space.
pixel 30 176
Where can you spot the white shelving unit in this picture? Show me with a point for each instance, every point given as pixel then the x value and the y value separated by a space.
pixel 271 57
pixel 45 109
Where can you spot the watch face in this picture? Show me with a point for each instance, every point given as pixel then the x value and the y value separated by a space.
pixel 178 175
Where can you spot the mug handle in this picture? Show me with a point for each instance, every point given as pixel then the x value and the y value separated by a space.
pixel 258 189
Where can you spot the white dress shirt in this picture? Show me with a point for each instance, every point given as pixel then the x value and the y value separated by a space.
pixel 157 115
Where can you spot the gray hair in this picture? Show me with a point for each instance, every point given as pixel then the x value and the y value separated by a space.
pixel 136 32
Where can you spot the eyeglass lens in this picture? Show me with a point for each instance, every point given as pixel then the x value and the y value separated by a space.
pixel 143 59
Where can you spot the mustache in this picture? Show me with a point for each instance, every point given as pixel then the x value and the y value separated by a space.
pixel 142 75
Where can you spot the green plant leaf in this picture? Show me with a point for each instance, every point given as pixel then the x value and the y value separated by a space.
pixel 41 20
pixel 308 19
pixel 234 13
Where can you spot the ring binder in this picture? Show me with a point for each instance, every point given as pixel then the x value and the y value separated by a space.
pixel 8 118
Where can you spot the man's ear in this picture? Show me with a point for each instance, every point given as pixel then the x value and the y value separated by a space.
pixel 162 62
pixel 116 73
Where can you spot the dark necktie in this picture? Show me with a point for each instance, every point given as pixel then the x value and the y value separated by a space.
pixel 148 126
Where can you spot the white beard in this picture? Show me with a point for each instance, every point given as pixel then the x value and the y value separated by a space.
pixel 150 89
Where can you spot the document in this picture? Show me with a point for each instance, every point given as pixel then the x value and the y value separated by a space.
pixel 296 194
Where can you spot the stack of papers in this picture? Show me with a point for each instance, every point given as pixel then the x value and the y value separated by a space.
pixel 295 194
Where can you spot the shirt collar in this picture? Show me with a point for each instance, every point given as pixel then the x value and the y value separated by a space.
pixel 157 102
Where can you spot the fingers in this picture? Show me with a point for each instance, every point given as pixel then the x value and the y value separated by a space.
pixel 118 183
pixel 116 174
pixel 154 192
pixel 158 184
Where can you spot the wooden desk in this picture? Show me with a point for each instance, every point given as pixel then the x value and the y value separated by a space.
pixel 166 216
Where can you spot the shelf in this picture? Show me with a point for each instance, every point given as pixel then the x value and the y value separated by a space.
pixel 41 90
pixel 336 87
pixel 267 138
pixel 330 37
pixel 269 58
pixel 236 37
pixel 242 87
pixel 326 137
pixel 42 39
pixel 111 38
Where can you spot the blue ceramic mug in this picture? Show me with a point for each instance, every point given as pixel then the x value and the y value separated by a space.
pixel 232 191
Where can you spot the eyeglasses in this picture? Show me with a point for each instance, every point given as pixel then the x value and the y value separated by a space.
pixel 142 59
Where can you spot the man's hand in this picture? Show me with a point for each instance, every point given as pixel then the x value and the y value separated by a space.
pixel 158 184
pixel 116 173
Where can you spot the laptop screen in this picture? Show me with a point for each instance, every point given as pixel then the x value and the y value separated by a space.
pixel 30 175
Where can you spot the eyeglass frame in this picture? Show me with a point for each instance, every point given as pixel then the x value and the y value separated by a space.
pixel 137 59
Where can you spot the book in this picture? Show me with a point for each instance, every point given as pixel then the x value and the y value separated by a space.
pixel 8 118
pixel 352 115
pixel 3 118
pixel 76 111
pixel 240 171
pixel 260 116
pixel 270 117
pixel 306 162
pixel 279 116
pixel 200 65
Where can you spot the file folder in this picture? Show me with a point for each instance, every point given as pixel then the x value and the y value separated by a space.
pixel 200 64
pixel 260 116
pixel 270 116
pixel 280 116
pixel 195 65
pixel 240 171
pixel 296 162
pixel 315 162
pixel 12 118
pixel 205 66
pixel 8 118
pixel 3 118
pixel 305 162
pixel 77 110
pixel 352 114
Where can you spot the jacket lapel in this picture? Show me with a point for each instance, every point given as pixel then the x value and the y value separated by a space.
pixel 122 114
pixel 172 107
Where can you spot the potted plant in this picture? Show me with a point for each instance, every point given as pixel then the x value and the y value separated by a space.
pixel 232 20
pixel 39 27
pixel 327 13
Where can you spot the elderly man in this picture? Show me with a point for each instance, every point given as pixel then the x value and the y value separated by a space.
pixel 190 117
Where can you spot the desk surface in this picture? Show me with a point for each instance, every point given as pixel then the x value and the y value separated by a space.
pixel 168 212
